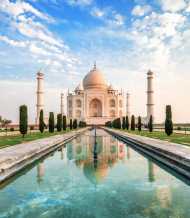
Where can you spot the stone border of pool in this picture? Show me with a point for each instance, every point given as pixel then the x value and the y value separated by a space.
pixel 173 155
pixel 15 158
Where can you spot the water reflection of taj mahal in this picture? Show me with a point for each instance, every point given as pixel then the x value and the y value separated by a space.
pixel 96 161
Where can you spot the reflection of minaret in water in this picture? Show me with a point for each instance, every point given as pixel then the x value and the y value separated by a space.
pixel 128 153
pixel 95 151
pixel 64 154
pixel 151 174
pixel 40 172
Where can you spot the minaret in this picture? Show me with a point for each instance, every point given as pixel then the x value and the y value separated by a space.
pixel 62 104
pixel 128 105
pixel 150 95
pixel 40 95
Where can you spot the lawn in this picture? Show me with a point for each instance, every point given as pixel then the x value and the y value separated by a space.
pixel 175 137
pixel 17 139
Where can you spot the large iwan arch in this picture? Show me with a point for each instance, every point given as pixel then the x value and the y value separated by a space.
pixel 95 108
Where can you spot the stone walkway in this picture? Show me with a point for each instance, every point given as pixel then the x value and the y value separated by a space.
pixel 169 146
pixel 16 157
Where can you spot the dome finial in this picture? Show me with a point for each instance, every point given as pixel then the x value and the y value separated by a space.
pixel 94 65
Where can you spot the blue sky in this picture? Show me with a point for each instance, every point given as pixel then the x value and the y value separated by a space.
pixel 124 37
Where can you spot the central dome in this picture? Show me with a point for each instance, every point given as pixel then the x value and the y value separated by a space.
pixel 94 79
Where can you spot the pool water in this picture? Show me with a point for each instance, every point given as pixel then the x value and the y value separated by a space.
pixel 88 179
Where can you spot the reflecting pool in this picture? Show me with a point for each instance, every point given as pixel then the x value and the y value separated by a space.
pixel 90 178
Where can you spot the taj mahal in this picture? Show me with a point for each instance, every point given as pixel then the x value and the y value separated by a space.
pixel 94 100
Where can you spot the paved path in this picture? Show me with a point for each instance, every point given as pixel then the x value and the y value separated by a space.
pixel 16 157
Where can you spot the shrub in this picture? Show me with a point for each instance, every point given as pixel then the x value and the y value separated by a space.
pixel 23 120
pixel 59 122
pixel 168 121
pixel 123 123
pixel 41 121
pixel 139 125
pixel 113 124
pixel 12 129
pixel 71 124
pixel 64 122
pixel 108 124
pixel 82 124
pixel 118 123
pixel 150 124
pixel 132 122
pixel 51 122
pixel 127 122
pixel 75 124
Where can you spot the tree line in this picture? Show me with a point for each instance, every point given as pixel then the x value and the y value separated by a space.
pixel 61 124
pixel 123 123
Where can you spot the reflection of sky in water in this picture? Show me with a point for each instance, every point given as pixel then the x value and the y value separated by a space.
pixel 106 180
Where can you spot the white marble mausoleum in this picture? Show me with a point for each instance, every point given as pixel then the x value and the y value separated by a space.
pixel 94 101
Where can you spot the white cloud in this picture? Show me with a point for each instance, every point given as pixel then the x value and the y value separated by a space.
pixel 118 19
pixel 188 8
pixel 79 2
pixel 160 26
pixel 109 16
pixel 35 30
pixel 20 7
pixel 12 42
pixel 173 5
pixel 97 12
pixel 139 10
pixel 40 46
pixel 37 50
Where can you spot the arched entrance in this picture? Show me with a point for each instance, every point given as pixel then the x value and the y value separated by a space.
pixel 95 108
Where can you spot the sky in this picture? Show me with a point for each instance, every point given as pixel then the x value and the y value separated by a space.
pixel 126 38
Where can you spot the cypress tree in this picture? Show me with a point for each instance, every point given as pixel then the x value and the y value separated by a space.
pixel 75 124
pixel 41 122
pixel 127 122
pixel 113 123
pixel 23 120
pixel 64 122
pixel 123 123
pixel 133 123
pixel 59 122
pixel 71 124
pixel 139 123
pixel 168 121
pixel 82 124
pixel 118 123
pixel 108 124
pixel 51 122
pixel 150 124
